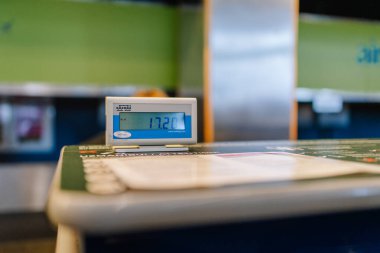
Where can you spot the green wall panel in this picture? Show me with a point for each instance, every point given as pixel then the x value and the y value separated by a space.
pixel 339 54
pixel 86 42
pixel 190 32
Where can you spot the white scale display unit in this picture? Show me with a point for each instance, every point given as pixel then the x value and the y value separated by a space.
pixel 141 124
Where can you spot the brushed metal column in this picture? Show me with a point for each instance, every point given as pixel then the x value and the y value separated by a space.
pixel 252 47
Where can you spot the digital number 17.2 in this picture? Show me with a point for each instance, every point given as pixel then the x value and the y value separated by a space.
pixel 163 123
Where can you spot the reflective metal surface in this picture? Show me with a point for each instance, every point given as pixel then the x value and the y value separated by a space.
pixel 40 89
pixel 252 45
pixel 24 187
pixel 306 95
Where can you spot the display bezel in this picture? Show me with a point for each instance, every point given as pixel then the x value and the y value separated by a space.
pixel 117 105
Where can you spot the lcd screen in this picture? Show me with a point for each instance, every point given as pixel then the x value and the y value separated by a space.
pixel 152 121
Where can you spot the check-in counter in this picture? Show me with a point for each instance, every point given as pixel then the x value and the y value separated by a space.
pixel 324 188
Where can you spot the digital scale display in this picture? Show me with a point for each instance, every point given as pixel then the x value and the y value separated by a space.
pixel 150 121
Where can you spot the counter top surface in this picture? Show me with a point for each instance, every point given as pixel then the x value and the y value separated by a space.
pixel 70 204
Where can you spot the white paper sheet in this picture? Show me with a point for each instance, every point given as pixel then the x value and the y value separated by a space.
pixel 194 171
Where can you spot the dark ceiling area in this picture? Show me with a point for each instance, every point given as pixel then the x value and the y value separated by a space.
pixel 363 9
